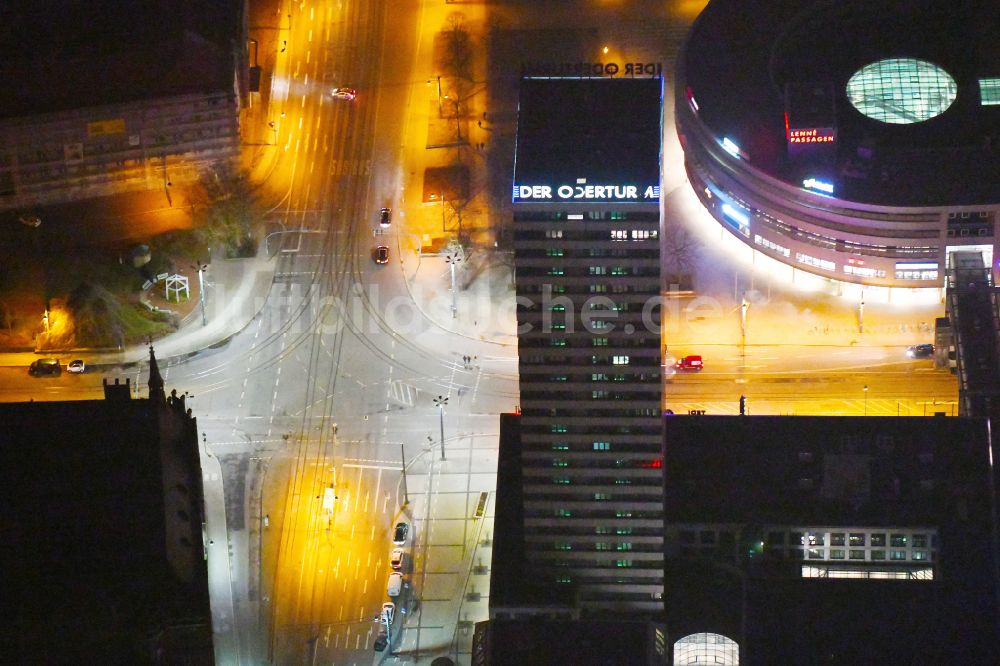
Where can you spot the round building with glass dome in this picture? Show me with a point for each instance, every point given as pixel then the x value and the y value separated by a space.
pixel 857 141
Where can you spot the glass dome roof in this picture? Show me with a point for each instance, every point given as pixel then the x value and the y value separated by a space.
pixel 901 90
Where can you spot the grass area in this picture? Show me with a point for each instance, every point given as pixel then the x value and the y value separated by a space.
pixel 93 292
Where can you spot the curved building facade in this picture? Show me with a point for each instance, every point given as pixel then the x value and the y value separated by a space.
pixel 858 141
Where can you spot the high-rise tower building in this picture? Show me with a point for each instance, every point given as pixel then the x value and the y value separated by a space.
pixel 587 248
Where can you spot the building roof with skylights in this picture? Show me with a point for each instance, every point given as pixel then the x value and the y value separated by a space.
pixel 914 110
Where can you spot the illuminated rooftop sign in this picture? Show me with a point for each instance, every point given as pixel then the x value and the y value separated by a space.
pixel 812 135
pixel 818 185
pixel 583 191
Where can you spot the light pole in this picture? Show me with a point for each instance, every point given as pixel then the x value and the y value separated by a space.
pixel 406 494
pixel 453 261
pixel 201 268
pixel 866 399
pixel 440 402
pixel 861 314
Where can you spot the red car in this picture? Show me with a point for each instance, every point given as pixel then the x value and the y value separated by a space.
pixel 689 363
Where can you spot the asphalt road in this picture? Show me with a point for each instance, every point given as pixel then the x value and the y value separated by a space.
pixel 308 413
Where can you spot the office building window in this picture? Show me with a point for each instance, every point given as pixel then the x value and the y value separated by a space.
pixel 602 446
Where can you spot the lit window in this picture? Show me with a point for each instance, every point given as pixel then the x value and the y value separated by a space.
pixel 558 462
pixel 602 446
pixel 623 563
pixel 901 90
pixel 553 233
pixel 989 91
pixel 599 342
pixel 554 252
pixel 619 234
pixel 602 497
pixel 601 545
pixel 619 360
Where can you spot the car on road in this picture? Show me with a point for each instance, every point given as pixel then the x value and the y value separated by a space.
pixel 388 613
pixel 396 559
pixel 344 93
pixel 381 255
pixel 76 366
pixel 394 586
pixel 399 535
pixel 689 363
pixel 381 641
pixel 385 217
pixel 44 367
pixel 30 221
pixel 920 351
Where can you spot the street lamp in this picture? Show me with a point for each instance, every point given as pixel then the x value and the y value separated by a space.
pixel 440 402
pixel 453 260
pixel 866 399
pixel 201 268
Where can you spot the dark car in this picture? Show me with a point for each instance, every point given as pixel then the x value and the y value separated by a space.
pixel 385 217
pixel 44 367
pixel 920 351
pixel 381 254
pixel 381 641
pixel 399 536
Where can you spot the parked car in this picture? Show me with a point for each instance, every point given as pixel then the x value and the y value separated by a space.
pixel 395 585
pixel 30 221
pixel 385 217
pixel 344 93
pixel 689 363
pixel 381 254
pixel 388 613
pixel 44 367
pixel 399 536
pixel 396 559
pixel 381 641
pixel 76 366
pixel 920 351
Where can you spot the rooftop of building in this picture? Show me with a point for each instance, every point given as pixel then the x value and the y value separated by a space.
pixel 825 470
pixel 541 642
pixel 88 578
pixel 606 131
pixel 742 54
pixel 57 55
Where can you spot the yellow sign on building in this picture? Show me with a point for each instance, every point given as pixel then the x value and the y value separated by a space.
pixel 104 127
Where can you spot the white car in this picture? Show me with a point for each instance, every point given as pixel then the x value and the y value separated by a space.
pixel 388 613
pixel 396 559
pixel 395 585
pixel 344 93
pixel 76 366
